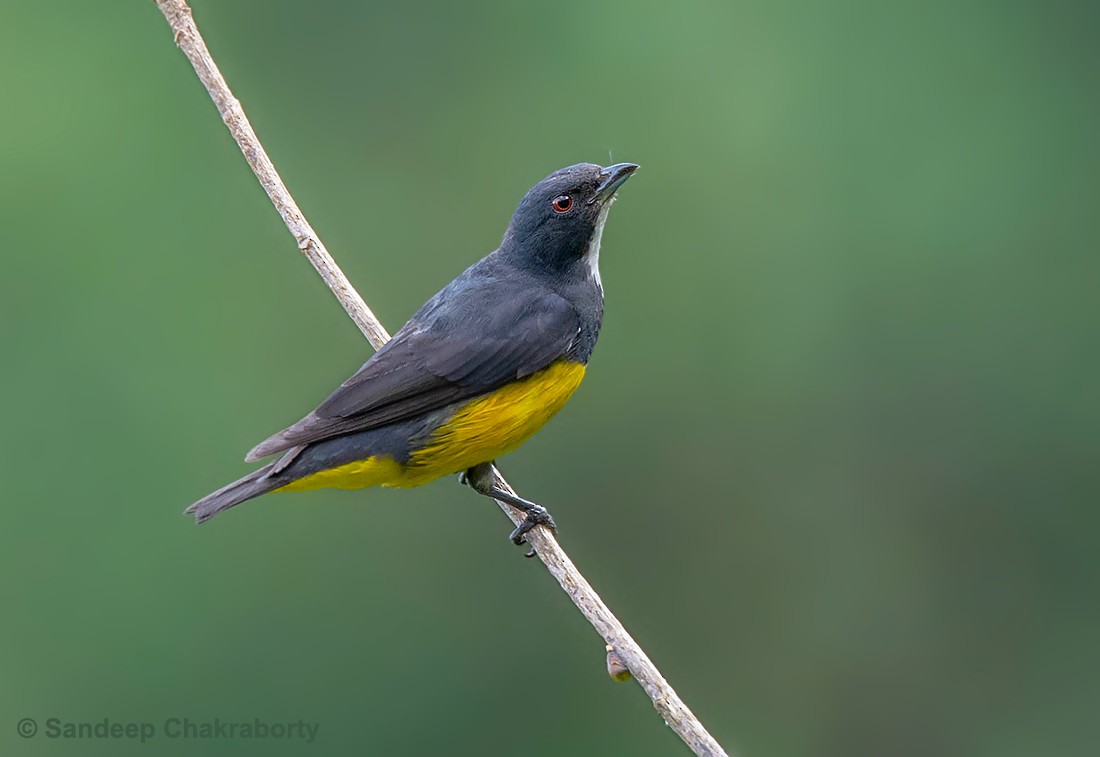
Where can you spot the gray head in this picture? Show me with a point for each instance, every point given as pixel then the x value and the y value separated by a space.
pixel 559 221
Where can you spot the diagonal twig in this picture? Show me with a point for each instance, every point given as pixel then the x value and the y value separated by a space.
pixel 665 700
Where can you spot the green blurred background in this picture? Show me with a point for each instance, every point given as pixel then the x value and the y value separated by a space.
pixel 834 464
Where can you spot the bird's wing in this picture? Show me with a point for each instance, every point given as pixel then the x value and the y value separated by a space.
pixel 455 348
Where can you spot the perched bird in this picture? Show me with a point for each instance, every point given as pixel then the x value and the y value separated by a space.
pixel 482 366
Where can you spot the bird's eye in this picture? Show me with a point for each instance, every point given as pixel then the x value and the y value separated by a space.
pixel 562 203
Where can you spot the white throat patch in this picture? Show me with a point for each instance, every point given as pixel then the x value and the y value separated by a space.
pixel 592 254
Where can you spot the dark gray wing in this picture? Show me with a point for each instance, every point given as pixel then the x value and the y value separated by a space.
pixel 462 343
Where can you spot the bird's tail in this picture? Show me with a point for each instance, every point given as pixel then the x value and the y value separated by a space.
pixel 253 485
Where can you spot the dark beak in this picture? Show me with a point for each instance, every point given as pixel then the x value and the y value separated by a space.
pixel 612 177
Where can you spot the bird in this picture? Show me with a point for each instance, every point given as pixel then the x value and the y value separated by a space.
pixel 478 369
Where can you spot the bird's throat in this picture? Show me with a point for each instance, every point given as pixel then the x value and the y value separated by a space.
pixel 592 254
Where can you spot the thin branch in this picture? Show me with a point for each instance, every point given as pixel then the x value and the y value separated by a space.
pixel 665 700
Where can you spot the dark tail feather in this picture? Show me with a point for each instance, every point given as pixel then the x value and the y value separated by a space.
pixel 253 485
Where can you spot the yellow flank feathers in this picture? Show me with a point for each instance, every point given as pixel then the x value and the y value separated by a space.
pixel 495 424
pixel 484 429
pixel 357 475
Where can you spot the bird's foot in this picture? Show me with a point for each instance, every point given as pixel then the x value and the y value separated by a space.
pixel 537 515
pixel 480 478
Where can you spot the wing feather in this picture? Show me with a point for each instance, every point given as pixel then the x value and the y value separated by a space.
pixel 472 338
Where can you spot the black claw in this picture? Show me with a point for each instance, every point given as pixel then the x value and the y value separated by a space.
pixel 539 517
pixel 517 535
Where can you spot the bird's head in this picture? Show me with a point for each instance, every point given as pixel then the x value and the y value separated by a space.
pixel 560 220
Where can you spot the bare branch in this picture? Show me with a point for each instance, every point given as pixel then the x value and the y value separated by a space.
pixel 665 700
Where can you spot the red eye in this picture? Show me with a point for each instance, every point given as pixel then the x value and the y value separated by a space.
pixel 562 203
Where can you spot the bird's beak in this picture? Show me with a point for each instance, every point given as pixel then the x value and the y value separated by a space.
pixel 612 177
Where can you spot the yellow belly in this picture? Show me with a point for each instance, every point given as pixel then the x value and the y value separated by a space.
pixel 486 428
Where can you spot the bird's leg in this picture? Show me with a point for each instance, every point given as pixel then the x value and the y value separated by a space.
pixel 480 478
